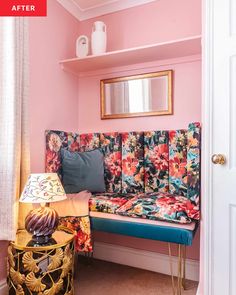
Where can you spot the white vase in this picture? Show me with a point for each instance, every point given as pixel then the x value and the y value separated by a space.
pixel 99 38
pixel 82 46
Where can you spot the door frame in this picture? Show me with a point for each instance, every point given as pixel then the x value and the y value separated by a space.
pixel 207 247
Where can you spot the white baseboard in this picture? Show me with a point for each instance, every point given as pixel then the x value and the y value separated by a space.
pixel 143 259
pixel 3 287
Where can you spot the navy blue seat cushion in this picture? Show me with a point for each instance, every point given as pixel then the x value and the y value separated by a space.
pixel 170 234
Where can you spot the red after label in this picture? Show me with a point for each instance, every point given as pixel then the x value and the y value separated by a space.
pixel 23 7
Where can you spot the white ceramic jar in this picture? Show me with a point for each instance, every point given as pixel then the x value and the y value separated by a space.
pixel 82 46
pixel 99 38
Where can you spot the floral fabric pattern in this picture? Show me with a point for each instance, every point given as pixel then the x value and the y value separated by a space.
pixel 108 202
pixel 132 162
pixel 89 141
pixel 111 147
pixel 156 161
pixel 160 206
pixel 153 175
pixel 55 140
pixel 193 159
pixel 178 162
pixel 81 225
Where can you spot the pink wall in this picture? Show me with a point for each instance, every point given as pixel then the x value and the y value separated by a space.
pixel 157 21
pixel 154 22
pixel 53 93
pixel 186 100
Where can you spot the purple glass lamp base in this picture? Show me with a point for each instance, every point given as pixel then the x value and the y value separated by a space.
pixel 41 223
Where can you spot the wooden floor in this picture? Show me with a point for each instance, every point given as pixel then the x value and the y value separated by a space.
pixel 106 278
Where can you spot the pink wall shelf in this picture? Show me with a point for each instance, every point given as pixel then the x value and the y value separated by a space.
pixel 160 51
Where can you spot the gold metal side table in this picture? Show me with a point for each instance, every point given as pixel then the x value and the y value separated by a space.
pixel 41 270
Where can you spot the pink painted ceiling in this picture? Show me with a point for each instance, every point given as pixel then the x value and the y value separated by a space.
pixel 88 4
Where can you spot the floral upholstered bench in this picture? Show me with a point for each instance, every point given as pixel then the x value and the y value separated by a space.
pixel 152 181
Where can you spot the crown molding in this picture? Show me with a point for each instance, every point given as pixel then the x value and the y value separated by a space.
pixel 83 14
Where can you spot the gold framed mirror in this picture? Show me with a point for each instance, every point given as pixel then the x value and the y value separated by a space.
pixel 137 96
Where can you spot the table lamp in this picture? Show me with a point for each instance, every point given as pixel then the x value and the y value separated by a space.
pixel 42 188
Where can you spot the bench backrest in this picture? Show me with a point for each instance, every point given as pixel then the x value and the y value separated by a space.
pixel 150 161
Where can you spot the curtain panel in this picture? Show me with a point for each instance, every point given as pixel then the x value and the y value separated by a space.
pixel 14 137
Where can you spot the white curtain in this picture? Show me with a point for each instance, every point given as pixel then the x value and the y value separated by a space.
pixel 14 145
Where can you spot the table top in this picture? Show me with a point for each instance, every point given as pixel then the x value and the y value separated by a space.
pixel 59 237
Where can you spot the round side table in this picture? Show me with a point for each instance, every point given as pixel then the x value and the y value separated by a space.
pixel 42 270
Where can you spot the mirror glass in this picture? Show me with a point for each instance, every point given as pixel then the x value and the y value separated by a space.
pixel 141 95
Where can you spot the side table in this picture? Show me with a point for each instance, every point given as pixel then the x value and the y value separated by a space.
pixel 42 270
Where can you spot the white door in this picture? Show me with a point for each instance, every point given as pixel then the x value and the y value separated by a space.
pixel 219 124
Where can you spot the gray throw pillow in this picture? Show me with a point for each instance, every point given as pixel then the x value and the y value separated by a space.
pixel 82 171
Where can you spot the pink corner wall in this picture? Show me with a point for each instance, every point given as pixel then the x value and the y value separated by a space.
pixel 53 93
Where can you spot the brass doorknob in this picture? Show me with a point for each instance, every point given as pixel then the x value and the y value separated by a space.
pixel 218 159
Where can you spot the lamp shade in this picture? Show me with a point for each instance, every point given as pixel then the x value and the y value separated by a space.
pixel 43 188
